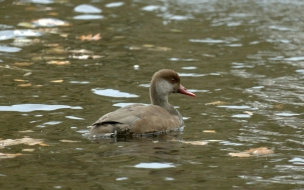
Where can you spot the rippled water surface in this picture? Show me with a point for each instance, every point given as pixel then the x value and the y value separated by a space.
pixel 65 63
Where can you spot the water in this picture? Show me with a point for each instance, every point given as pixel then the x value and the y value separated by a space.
pixel 65 63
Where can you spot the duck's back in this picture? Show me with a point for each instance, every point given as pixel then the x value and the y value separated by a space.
pixel 136 119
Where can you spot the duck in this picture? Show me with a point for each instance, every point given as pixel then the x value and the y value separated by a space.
pixel 139 119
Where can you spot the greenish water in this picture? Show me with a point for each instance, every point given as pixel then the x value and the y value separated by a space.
pixel 55 80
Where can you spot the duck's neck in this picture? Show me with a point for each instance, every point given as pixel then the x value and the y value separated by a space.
pixel 159 91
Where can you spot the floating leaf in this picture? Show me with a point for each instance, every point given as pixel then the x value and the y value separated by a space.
pixel 59 62
pixel 148 45
pixel 248 112
pixel 57 81
pixel 195 142
pixel 25 85
pixel 81 51
pixel 19 80
pixel 26 131
pixel 216 103
pixel 23 64
pixel 176 30
pixel 4 155
pixel 209 131
pixel 260 151
pixel 240 154
pixel 26 25
pixel 279 106
pixel 49 22
pixel 134 48
pixel 85 56
pixel 69 141
pixel 162 49
pixel 25 140
pixel 90 37
pixel 27 74
pixel 28 150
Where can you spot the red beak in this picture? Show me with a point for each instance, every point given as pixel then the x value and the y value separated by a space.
pixel 183 90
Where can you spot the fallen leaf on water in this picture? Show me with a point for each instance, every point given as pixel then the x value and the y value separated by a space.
pixel 279 106
pixel 163 49
pixel 58 62
pixel 27 74
pixel 134 48
pixel 56 81
pixel 68 141
pixel 239 154
pixel 119 37
pixel 53 14
pixel 23 64
pixel 28 150
pixel 49 22
pixel 175 30
pixel 148 45
pixel 64 35
pixel 25 140
pixel 248 112
pixel 209 131
pixel 19 80
pixel 195 142
pixel 90 37
pixel 260 151
pixel 26 131
pixel 216 103
pixel 25 85
pixel 85 56
pixel 81 51
pixel 253 151
pixel 4 155
pixel 26 25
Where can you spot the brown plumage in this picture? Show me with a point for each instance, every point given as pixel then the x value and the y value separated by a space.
pixel 141 119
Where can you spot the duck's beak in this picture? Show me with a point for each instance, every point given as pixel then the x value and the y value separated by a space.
pixel 183 90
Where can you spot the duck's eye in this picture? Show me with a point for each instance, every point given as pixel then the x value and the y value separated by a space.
pixel 173 80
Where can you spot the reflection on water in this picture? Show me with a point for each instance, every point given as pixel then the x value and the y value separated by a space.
pixel 36 107
pixel 243 59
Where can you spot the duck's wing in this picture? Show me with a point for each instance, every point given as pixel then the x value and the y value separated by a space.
pixel 136 118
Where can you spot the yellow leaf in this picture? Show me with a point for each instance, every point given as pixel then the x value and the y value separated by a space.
pixel 19 80
pixel 58 62
pixel 4 155
pixel 90 37
pixel 22 64
pixel 26 131
pixel 69 141
pixel 28 150
pixel 134 48
pixel 57 81
pixel 239 154
pixel 216 103
pixel 25 140
pixel 209 131
pixel 27 74
pixel 25 85
pixel 195 142
pixel 53 13
pixel 260 151
pixel 26 25
pixel 279 106
pixel 176 30
pixel 163 49
pixel 248 112
pixel 148 45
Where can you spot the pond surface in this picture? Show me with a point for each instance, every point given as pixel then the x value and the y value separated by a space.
pixel 65 63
